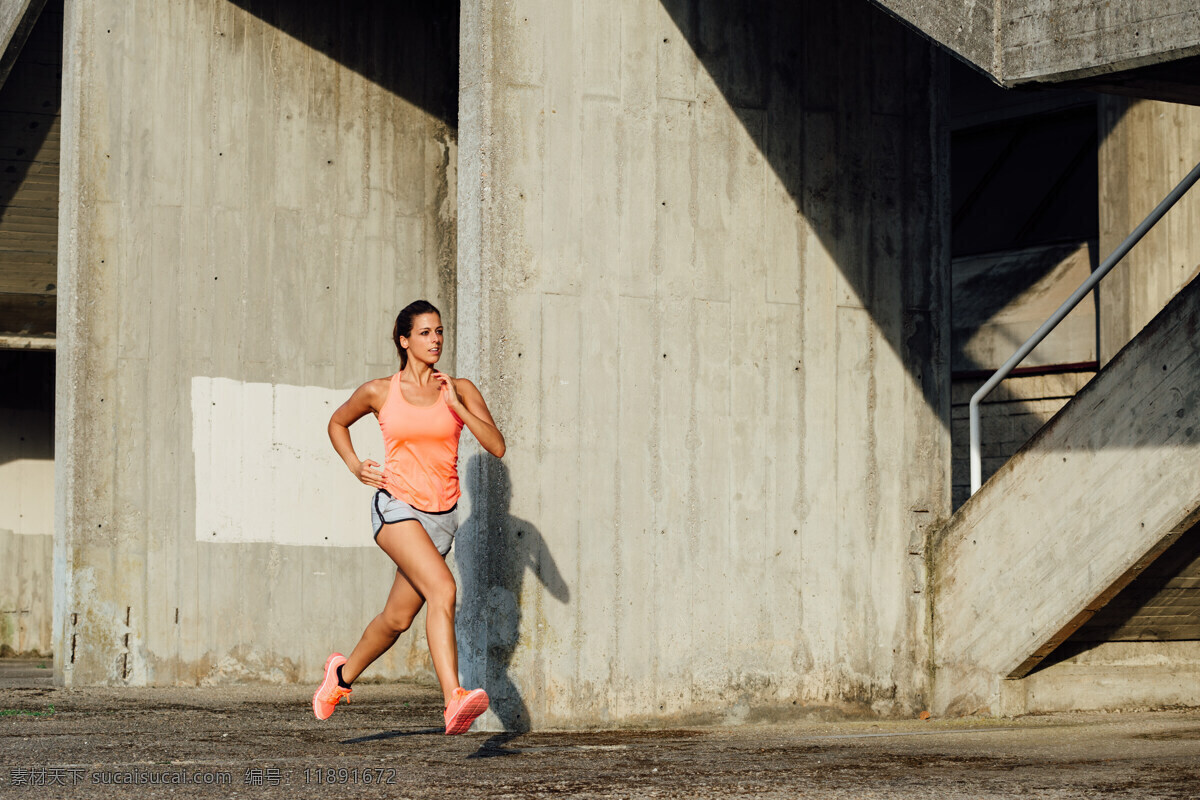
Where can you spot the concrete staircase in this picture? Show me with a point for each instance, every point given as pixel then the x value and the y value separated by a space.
pixel 1051 41
pixel 1102 490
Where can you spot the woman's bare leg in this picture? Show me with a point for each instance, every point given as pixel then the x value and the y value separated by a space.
pixel 401 608
pixel 410 547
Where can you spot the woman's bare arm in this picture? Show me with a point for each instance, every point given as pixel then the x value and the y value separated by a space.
pixel 366 399
pixel 466 400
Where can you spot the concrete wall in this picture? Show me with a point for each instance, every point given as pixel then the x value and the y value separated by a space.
pixel 248 198
pixel 26 500
pixel 26 592
pixel 1110 676
pixel 1146 147
pixel 703 282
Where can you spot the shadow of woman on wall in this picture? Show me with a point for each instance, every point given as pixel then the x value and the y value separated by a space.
pixel 495 551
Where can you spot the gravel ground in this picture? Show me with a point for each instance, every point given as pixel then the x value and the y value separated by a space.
pixel 262 742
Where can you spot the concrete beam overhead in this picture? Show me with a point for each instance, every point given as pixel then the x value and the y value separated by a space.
pixel 1056 41
pixel 1059 40
pixel 17 18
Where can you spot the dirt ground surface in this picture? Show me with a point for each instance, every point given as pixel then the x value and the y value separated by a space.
pixel 263 742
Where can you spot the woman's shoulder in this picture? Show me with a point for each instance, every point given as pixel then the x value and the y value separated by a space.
pixel 375 384
pixel 373 390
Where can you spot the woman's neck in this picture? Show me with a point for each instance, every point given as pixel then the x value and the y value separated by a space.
pixel 418 372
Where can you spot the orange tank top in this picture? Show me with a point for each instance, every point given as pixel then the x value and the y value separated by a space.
pixel 421 451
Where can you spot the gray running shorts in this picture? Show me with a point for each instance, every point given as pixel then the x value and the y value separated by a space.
pixel 440 526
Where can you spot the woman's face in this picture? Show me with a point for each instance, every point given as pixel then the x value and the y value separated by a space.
pixel 425 341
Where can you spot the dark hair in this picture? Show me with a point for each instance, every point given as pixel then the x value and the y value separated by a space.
pixel 404 324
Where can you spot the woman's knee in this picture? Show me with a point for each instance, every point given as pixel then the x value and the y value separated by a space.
pixel 442 593
pixel 397 621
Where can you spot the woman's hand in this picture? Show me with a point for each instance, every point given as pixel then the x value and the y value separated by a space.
pixel 473 412
pixel 368 472
pixel 449 392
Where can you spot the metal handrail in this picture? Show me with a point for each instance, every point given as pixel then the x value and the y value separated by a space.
pixel 1066 308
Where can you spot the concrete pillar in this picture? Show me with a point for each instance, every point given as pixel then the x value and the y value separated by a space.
pixel 1146 147
pixel 703 283
pixel 249 193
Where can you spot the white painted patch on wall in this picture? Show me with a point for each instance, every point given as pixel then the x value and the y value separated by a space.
pixel 266 472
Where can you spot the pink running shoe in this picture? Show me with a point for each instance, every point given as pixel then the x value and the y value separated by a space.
pixel 330 691
pixel 464 707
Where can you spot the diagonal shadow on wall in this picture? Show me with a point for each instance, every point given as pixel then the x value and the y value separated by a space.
pixel 499 552
pixel 845 106
pixel 420 63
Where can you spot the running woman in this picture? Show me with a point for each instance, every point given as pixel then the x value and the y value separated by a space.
pixel 421 412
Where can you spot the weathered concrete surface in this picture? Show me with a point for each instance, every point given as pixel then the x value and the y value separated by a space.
pixel 17 18
pixel 708 294
pixel 248 195
pixel 1100 492
pixel 26 592
pixel 1146 148
pixel 268 733
pixel 1052 41
pixel 1110 675
pixel 1056 40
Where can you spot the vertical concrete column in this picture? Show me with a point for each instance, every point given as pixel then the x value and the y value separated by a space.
pixel 702 282
pixel 1146 147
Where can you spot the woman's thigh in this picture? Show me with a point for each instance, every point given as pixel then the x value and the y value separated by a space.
pixel 420 563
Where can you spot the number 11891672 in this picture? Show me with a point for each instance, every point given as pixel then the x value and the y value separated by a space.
pixel 344 775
